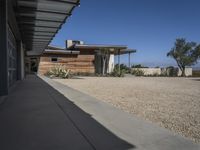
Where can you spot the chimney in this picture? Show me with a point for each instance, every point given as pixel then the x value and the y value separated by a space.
pixel 70 43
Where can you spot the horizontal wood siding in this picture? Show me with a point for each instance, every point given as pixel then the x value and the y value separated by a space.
pixel 82 63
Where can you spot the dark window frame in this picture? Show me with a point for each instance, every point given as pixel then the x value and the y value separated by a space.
pixel 54 59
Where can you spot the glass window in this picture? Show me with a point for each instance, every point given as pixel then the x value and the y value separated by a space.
pixel 54 59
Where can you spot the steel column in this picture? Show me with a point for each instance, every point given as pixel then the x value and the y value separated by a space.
pixel 129 60
pixel 3 48
pixel 119 70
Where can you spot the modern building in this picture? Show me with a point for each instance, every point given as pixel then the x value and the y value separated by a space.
pixel 27 28
pixel 27 25
pixel 77 57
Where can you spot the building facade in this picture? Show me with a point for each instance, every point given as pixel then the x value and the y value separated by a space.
pixel 27 26
pixel 80 58
pixel 76 62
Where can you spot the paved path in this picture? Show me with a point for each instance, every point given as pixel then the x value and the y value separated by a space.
pixel 141 134
pixel 36 117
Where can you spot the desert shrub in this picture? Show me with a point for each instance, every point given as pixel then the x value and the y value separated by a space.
pixel 59 72
pixel 196 73
pixel 137 72
pixel 163 72
pixel 84 74
pixel 118 73
pixel 172 71
pixel 123 67
pixel 138 66
pixel 155 75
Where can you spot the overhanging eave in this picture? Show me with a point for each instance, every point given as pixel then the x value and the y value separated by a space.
pixel 40 20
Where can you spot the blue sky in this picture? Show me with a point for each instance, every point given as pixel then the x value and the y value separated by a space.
pixel 150 26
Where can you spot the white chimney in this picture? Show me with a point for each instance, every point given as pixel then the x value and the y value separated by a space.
pixel 70 43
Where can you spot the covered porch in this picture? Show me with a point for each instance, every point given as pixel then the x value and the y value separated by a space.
pixel 27 26
pixel 105 56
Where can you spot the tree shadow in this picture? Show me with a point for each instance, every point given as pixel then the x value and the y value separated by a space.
pixel 77 77
pixel 36 116
pixel 196 79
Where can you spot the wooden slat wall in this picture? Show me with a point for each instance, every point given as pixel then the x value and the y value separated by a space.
pixel 75 63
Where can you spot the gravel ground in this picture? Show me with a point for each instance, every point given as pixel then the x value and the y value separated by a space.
pixel 173 103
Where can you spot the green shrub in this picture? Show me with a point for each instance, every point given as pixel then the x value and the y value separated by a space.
pixel 138 66
pixel 137 72
pixel 172 71
pixel 118 73
pixel 84 74
pixel 163 72
pixel 123 67
pixel 59 72
pixel 196 73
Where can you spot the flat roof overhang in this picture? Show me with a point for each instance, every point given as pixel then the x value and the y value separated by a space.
pixel 49 51
pixel 114 49
pixel 40 20
pixel 98 46
pixel 125 51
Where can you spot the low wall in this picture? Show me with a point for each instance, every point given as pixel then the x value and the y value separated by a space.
pixel 150 71
pixel 76 64
pixel 188 72
pixel 159 71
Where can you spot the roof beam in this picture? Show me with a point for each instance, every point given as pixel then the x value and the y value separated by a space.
pixel 38 38
pixel 34 10
pixel 29 19
pixel 37 30
pixel 32 36
pixel 33 3
pixel 31 31
pixel 37 26
pixel 41 23
pixel 42 14
pixel 69 2
pixel 21 17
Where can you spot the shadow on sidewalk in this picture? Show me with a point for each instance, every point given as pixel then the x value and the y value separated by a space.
pixel 34 117
pixel 96 134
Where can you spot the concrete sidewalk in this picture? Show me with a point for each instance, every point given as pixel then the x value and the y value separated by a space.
pixel 35 116
pixel 142 135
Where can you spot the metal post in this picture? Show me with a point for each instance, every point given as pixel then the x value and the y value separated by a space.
pixel 119 70
pixel 19 60
pixel 129 60
pixel 3 49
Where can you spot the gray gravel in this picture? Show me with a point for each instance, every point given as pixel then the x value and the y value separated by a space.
pixel 173 103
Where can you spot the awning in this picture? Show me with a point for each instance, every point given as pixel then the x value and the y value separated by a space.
pixel 98 46
pixel 49 51
pixel 40 20
pixel 114 49
pixel 126 51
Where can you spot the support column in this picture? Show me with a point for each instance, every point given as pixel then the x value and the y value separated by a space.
pixel 119 70
pixel 3 49
pixel 129 60
pixel 20 61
